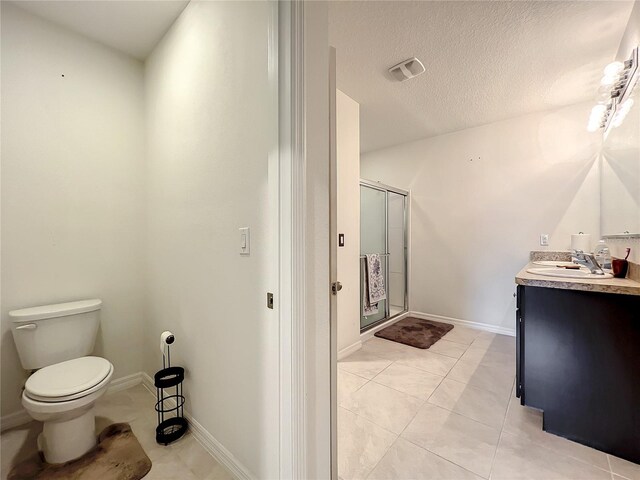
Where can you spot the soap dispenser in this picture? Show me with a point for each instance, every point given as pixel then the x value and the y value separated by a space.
pixel 603 255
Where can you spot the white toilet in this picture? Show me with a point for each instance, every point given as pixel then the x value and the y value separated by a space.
pixel 55 340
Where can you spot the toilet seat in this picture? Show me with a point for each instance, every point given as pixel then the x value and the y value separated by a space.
pixel 69 380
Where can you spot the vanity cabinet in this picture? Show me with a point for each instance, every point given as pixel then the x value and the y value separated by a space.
pixel 578 360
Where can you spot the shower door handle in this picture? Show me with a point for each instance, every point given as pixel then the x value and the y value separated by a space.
pixel 336 287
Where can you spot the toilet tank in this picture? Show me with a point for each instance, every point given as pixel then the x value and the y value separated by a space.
pixel 54 333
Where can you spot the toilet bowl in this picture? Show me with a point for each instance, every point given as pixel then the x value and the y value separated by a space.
pixel 56 341
pixel 62 396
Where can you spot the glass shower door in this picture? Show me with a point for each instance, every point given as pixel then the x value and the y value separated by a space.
pixel 373 239
pixel 397 249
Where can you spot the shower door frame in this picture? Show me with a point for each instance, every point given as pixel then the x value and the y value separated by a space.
pixel 405 222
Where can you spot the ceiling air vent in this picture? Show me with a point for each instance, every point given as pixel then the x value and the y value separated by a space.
pixel 407 69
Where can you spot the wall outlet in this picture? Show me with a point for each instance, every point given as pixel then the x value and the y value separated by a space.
pixel 544 239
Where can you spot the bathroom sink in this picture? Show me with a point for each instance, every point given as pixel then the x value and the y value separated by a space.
pixel 566 273
pixel 553 263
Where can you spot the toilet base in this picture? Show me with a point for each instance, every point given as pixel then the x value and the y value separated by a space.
pixel 67 440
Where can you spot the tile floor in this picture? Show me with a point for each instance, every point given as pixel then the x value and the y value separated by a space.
pixel 183 460
pixel 449 412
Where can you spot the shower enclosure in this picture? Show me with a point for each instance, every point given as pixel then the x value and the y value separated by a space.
pixel 383 230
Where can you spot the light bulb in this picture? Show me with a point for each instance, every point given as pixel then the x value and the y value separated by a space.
pixel 613 69
pixel 592 127
pixel 597 111
pixel 608 80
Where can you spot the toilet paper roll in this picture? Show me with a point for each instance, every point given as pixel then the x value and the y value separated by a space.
pixel 581 241
pixel 166 338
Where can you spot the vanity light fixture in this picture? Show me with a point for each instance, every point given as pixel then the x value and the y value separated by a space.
pixel 616 86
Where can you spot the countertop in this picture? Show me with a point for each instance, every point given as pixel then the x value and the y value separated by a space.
pixel 624 286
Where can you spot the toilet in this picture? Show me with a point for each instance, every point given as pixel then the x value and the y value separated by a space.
pixel 56 342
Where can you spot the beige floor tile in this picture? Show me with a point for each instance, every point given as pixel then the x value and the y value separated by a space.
pixel 624 468
pixel 412 381
pixel 198 460
pixel 364 364
pixel 459 426
pixel 387 408
pixel 361 444
pixel 527 422
pixel 169 467
pixel 456 438
pixel 144 431
pixel 17 445
pixel 385 348
pixel 489 358
pixel 495 342
pixel 450 349
pixel 464 335
pixel 518 457
pixel 141 397
pixel 219 473
pixel 404 460
pixel 498 380
pixel 347 384
pixel 185 459
pixel 427 361
pixel 476 403
pixel 122 407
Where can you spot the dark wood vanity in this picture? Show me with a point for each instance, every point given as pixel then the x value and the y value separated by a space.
pixel 578 360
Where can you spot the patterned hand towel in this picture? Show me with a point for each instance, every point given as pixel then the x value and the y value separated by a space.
pixel 367 308
pixel 375 280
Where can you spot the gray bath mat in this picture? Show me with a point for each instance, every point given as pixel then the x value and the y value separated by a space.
pixel 415 332
pixel 118 456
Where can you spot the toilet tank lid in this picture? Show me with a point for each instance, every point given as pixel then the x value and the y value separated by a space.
pixel 54 311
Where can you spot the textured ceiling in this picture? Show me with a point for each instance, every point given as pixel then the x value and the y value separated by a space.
pixel 133 27
pixel 485 61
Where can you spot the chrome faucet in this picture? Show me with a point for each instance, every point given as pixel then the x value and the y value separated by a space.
pixel 587 260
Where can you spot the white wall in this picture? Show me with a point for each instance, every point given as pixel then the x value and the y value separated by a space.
pixel 481 197
pixel 72 185
pixel 211 116
pixel 348 219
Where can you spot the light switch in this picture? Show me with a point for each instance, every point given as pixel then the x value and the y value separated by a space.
pixel 245 241
pixel 544 239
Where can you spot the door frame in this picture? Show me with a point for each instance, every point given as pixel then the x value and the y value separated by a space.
pixel 333 257
pixel 291 238
pixel 304 260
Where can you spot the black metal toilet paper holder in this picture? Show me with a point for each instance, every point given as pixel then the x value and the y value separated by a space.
pixel 169 406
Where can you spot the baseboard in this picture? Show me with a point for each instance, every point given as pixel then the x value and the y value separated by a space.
pixel 15 419
pixel 208 441
pixel 21 417
pixel 369 333
pixel 466 323
pixel 354 347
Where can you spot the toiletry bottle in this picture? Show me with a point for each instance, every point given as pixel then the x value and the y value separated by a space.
pixel 602 254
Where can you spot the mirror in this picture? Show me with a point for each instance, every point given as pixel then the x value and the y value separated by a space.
pixel 620 176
